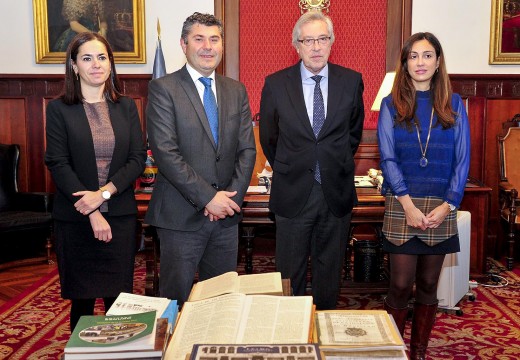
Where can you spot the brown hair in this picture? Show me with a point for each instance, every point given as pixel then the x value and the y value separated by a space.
pixel 71 93
pixel 403 90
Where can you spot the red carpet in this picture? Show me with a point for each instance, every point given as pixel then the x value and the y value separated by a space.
pixel 35 325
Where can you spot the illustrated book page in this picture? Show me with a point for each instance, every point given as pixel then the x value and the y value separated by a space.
pixel 356 329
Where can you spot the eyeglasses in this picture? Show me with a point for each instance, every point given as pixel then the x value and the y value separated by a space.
pixel 324 40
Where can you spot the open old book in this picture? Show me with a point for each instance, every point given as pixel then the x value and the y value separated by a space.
pixel 231 282
pixel 356 330
pixel 241 319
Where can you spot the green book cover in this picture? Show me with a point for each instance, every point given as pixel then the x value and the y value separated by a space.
pixel 100 333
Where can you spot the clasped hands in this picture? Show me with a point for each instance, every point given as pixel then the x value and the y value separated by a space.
pixel 221 206
pixel 416 219
pixel 88 205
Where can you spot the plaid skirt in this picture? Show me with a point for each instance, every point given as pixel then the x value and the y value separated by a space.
pixel 398 232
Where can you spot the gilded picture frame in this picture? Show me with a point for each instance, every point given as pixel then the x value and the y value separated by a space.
pixel 121 21
pixel 505 32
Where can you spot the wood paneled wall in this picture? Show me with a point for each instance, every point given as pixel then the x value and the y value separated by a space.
pixel 23 100
pixel 490 101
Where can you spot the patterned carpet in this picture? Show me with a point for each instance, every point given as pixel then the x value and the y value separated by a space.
pixel 35 325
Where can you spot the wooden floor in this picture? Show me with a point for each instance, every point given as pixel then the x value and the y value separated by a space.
pixel 15 280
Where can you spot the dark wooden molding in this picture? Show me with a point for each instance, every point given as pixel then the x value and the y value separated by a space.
pixel 398 29
pixel 229 12
pixel 490 86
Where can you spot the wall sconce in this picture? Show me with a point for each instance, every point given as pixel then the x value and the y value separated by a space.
pixel 384 90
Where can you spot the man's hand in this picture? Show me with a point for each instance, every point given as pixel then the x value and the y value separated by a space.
pixel 221 206
pixel 100 226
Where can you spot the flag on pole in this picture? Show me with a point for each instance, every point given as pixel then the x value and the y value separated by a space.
pixel 159 68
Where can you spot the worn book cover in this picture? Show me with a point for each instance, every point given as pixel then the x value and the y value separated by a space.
pixel 256 352
pixel 354 330
pixel 101 333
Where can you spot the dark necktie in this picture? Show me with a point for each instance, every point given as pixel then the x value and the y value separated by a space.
pixel 318 117
pixel 210 106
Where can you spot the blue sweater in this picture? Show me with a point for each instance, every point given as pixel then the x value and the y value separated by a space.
pixel 448 152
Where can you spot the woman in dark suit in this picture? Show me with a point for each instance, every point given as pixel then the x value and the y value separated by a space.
pixel 95 151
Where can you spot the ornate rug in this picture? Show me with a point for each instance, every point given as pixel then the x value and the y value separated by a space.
pixel 35 324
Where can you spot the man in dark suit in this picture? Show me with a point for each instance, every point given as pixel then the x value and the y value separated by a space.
pixel 311 120
pixel 200 132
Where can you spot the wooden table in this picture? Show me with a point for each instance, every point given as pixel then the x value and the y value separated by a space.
pixel 370 210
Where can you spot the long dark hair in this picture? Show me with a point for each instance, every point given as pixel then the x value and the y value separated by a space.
pixel 403 91
pixel 72 88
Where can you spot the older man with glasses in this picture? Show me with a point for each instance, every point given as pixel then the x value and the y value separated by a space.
pixel 311 120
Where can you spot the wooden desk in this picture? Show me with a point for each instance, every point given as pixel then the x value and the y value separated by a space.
pixel 370 210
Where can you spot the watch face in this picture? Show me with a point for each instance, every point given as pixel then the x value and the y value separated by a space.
pixel 106 194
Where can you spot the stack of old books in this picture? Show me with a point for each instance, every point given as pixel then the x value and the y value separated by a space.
pixel 358 334
pixel 135 327
pixel 232 309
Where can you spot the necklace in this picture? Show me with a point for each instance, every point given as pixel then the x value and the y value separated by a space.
pixel 424 161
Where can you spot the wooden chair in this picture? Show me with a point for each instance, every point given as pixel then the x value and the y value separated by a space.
pixel 509 185
pixel 21 213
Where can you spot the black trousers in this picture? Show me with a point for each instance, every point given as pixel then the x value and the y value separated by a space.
pixel 316 233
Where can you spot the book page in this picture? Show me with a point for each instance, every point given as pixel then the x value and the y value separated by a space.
pixel 127 303
pixel 267 284
pixel 275 319
pixel 219 285
pixel 214 320
pixel 356 328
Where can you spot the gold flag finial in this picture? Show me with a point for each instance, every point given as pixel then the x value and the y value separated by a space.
pixel 158 29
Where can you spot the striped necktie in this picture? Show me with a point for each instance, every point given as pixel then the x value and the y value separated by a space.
pixel 318 117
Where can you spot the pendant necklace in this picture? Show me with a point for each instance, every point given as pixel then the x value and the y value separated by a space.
pixel 424 161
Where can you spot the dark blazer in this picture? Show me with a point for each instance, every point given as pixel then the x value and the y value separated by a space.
pixel 71 159
pixel 292 150
pixel 190 169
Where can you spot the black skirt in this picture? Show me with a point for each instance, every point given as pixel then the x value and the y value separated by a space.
pixel 90 268
pixel 416 246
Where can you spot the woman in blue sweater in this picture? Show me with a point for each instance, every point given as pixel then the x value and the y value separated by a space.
pixel 424 141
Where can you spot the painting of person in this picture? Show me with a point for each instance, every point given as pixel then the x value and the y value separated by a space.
pixel 511 28
pixel 113 19
pixel 82 16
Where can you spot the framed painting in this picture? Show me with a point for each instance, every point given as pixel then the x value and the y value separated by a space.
pixel 504 46
pixel 120 21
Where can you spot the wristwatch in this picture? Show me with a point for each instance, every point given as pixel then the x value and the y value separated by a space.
pixel 452 207
pixel 106 194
